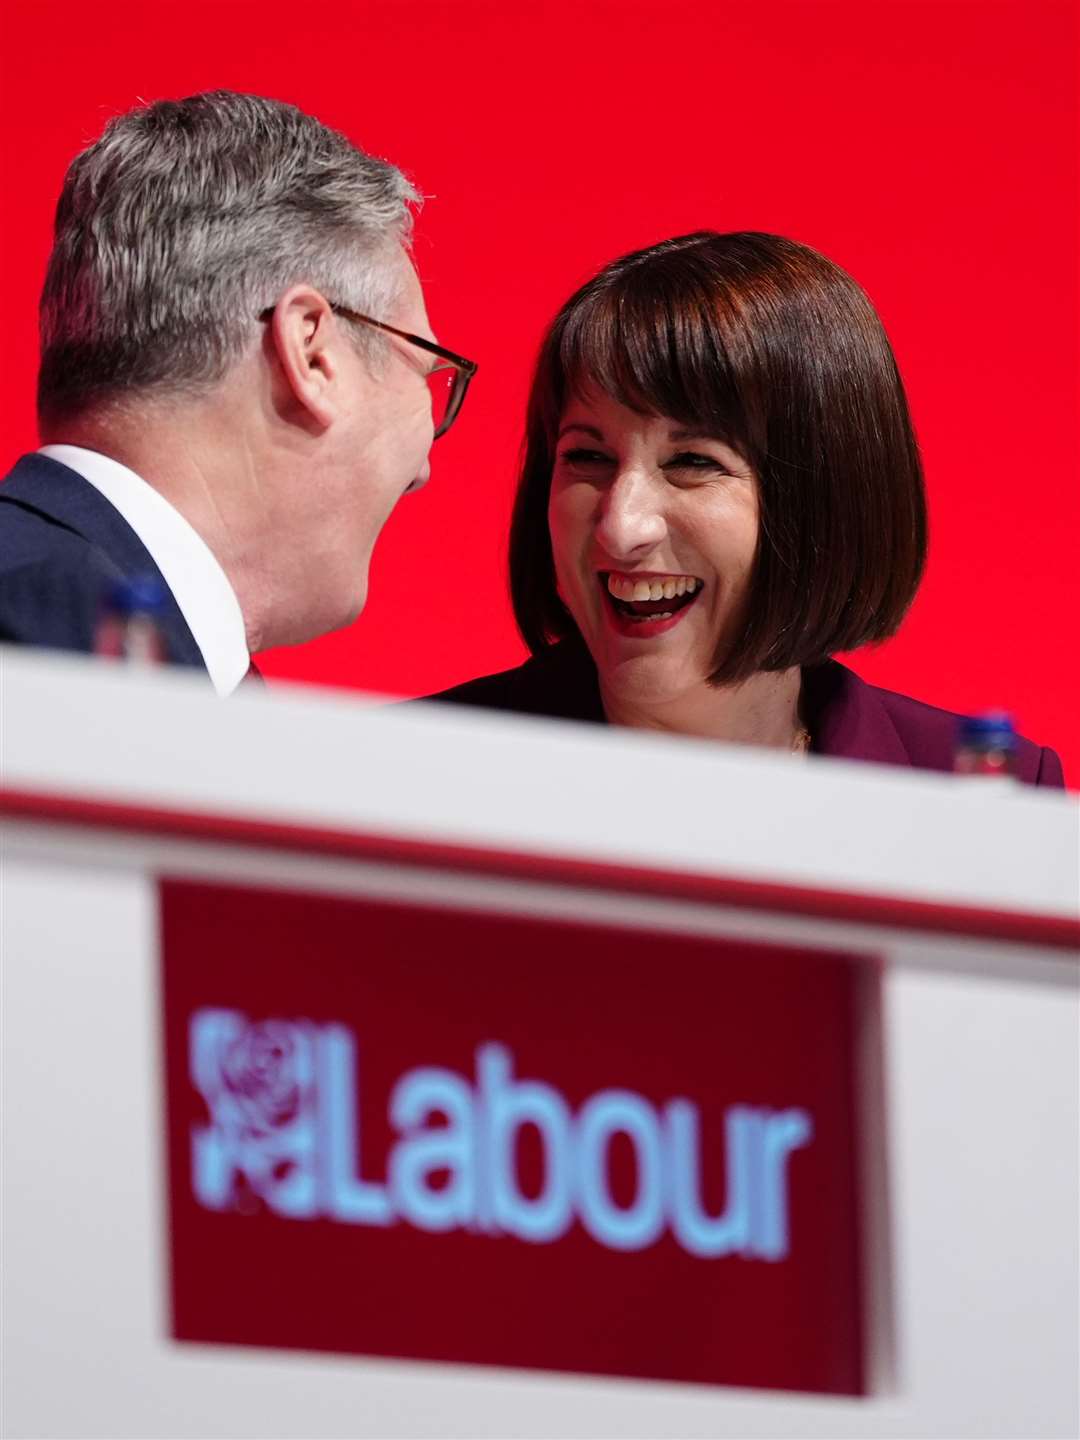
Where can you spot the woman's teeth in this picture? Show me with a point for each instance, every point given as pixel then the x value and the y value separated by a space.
pixel 657 587
pixel 659 597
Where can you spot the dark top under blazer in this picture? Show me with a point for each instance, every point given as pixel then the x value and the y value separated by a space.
pixel 846 717
pixel 62 545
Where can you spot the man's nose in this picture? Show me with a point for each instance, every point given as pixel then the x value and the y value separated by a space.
pixel 630 519
pixel 422 476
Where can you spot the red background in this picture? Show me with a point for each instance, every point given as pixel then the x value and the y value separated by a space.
pixel 929 146
pixel 583 1008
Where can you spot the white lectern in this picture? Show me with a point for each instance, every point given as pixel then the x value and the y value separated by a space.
pixel 381 1070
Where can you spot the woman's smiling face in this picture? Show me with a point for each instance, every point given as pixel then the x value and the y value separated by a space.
pixel 642 500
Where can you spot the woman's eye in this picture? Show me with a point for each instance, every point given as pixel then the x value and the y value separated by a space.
pixel 583 459
pixel 692 460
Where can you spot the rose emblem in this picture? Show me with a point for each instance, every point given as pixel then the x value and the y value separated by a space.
pixel 260 1069
pixel 257 1079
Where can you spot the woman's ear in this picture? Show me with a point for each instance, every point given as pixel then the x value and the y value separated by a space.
pixel 308 345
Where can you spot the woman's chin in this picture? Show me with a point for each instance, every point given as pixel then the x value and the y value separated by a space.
pixel 646 679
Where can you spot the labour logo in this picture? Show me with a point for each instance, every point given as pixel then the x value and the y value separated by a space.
pixel 283 1098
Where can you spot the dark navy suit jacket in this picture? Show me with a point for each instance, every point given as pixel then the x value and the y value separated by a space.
pixel 846 717
pixel 62 546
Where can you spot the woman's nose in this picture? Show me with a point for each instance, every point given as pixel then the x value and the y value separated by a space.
pixel 630 518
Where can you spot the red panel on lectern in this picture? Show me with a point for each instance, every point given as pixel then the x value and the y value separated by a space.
pixel 466 1137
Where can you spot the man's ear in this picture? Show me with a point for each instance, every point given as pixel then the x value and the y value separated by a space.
pixel 308 345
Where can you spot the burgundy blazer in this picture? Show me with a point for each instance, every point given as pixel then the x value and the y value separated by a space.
pixel 846 717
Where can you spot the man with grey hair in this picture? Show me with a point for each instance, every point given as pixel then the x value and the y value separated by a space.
pixel 238 381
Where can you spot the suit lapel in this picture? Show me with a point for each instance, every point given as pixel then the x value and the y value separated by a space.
pixel 847 719
pixel 64 497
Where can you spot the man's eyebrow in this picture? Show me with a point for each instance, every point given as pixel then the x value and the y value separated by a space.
pixel 590 430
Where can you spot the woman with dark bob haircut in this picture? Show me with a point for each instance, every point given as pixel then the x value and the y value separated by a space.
pixel 721 489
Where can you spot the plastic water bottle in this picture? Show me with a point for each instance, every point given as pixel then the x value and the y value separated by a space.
pixel 986 745
pixel 129 626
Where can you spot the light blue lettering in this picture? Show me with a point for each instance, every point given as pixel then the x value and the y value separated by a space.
pixel 509 1104
pixel 606 1114
pixel 781 1132
pixel 347 1196
pixel 697 1232
pixel 416 1098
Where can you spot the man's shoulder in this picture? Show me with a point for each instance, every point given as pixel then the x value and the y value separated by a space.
pixel 63 547
pixel 51 576
pixel 30 536
pixel 50 593
pixel 32 524
pixel 559 682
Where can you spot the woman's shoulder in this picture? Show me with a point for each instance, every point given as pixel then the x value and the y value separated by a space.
pixel 855 720
pixel 848 718
pixel 559 682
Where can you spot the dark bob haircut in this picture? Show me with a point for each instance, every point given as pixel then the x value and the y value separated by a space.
pixel 777 352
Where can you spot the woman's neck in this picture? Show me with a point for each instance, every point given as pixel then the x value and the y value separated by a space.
pixel 763 710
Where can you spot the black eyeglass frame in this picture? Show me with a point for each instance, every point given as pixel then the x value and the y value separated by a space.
pixel 464 370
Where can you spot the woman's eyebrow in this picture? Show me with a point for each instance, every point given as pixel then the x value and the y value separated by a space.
pixel 590 430
pixel 684 434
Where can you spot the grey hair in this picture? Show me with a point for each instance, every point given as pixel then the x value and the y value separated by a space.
pixel 185 221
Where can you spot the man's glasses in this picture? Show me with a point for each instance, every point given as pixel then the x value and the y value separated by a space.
pixel 447 381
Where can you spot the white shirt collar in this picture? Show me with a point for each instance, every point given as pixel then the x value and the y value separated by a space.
pixel 189 567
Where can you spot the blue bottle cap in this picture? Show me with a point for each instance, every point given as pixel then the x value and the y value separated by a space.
pixel 137 595
pixel 990 730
